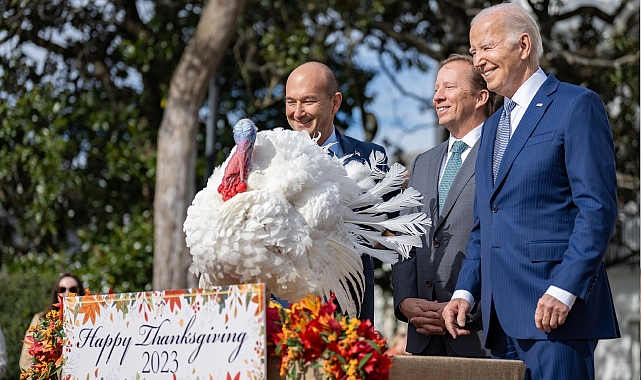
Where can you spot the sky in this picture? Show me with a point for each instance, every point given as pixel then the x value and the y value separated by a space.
pixel 401 119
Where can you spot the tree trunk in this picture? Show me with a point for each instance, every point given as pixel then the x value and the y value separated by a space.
pixel 176 162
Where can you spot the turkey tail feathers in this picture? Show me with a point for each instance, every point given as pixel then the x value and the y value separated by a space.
pixel 368 216
pixel 345 269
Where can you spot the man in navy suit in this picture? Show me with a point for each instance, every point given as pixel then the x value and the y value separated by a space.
pixel 544 212
pixel 312 99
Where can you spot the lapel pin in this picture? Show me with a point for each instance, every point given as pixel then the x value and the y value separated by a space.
pixel 539 104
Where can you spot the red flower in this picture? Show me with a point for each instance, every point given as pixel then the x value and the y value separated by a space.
pixel 314 331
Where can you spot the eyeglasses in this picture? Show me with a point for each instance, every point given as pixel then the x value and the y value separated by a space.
pixel 73 289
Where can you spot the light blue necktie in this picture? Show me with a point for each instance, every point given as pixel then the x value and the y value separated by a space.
pixel 451 168
pixel 502 136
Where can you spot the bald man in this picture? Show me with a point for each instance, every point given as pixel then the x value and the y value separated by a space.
pixel 312 99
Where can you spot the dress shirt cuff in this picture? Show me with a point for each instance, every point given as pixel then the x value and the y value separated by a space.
pixel 464 294
pixel 562 295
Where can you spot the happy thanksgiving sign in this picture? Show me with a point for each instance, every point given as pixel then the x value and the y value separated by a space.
pixel 216 333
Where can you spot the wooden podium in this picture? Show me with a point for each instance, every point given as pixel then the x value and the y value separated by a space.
pixel 433 368
pixel 447 368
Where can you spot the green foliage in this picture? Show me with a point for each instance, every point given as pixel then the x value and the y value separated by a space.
pixel 23 295
pixel 77 185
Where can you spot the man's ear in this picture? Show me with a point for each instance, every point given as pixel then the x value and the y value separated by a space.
pixel 337 99
pixel 482 97
pixel 525 44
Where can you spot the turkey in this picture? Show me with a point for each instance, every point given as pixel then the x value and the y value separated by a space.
pixel 282 211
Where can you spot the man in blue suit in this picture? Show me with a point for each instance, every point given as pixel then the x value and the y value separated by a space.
pixel 312 99
pixel 544 212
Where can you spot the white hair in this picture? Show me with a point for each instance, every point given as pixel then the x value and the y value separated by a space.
pixel 518 21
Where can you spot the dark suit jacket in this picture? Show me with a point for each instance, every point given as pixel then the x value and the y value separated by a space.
pixel 434 268
pixel 548 218
pixel 360 150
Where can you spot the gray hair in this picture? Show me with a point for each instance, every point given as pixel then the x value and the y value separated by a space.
pixel 518 21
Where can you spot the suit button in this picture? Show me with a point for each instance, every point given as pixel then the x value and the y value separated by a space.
pixel 428 283
pixel 437 244
pixel 495 208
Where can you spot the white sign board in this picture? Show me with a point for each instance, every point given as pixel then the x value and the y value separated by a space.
pixel 216 333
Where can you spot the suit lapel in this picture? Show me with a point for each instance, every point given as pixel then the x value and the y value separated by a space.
pixel 348 147
pixel 462 178
pixel 528 123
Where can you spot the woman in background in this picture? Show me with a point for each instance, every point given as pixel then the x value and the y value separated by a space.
pixel 67 283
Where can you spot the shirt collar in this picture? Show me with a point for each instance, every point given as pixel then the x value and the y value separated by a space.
pixel 469 139
pixel 524 95
pixel 333 140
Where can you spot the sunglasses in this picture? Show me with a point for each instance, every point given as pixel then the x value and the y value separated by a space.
pixel 73 289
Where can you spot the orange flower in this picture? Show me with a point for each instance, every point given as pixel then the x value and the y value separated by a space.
pixel 314 331
pixel 45 347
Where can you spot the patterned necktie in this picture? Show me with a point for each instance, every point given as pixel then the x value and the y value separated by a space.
pixel 451 168
pixel 502 136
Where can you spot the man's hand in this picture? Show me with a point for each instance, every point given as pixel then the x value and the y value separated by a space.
pixel 455 314
pixel 550 313
pixel 432 322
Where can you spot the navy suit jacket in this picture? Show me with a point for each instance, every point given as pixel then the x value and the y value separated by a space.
pixel 548 218
pixel 361 150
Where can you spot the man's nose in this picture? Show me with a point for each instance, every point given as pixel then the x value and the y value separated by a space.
pixel 299 109
pixel 439 95
pixel 478 60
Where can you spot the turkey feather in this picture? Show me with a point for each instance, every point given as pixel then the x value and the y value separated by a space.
pixel 291 223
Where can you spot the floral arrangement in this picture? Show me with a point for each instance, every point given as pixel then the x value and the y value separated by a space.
pixel 313 334
pixel 45 347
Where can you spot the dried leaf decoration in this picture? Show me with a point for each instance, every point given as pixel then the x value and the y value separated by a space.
pixel 90 308
pixel 172 298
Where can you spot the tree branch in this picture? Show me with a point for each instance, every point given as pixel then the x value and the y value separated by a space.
pixel 594 11
pixel 574 59
pixel 420 44
pixel 399 87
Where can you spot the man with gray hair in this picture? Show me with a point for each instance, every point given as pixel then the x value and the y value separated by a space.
pixel 545 209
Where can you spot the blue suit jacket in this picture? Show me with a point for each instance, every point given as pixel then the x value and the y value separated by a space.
pixel 548 218
pixel 360 150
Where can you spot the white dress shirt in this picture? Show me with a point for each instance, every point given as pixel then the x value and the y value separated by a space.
pixel 469 139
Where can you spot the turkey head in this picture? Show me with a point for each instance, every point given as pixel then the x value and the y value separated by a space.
pixel 240 164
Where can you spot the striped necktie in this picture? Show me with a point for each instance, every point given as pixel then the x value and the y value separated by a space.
pixel 451 168
pixel 502 136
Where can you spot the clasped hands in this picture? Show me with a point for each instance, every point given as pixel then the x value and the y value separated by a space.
pixel 425 315
pixel 550 313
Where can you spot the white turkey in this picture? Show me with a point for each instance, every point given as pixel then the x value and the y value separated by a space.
pixel 282 211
